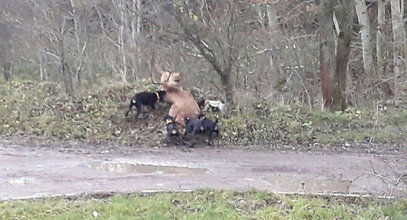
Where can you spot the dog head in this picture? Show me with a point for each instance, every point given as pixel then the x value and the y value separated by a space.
pixel 170 125
pixel 168 119
pixel 201 116
pixel 161 95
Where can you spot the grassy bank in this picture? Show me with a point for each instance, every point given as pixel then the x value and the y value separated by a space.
pixel 303 125
pixel 204 205
pixel 97 115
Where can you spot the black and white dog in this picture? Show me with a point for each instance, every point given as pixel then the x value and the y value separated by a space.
pixel 212 105
pixel 146 98
pixel 171 126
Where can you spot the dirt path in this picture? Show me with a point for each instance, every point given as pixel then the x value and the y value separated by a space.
pixel 41 168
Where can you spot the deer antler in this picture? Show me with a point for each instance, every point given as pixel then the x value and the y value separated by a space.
pixel 159 69
pixel 152 80
pixel 169 66
pixel 155 66
pixel 169 75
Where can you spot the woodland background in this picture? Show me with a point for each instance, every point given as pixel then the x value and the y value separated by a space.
pixel 279 51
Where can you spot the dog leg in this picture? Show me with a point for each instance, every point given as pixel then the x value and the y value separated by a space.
pixel 130 107
pixel 138 107
pixel 152 106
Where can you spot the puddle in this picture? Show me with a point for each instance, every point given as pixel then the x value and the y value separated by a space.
pixel 148 169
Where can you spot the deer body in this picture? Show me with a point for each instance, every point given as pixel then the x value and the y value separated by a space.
pixel 183 104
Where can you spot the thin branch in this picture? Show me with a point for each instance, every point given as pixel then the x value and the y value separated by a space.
pixel 53 55
pixel 385 179
pixel 255 53
pixel 400 178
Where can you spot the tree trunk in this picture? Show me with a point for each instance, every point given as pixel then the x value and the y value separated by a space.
pixel 122 41
pixel 367 53
pixel 333 75
pixel 381 16
pixel 135 33
pixel 65 74
pixel 138 31
pixel 397 10
pixel 326 51
pixel 380 47
pixel 41 68
pixel 274 28
pixel 7 71
pixel 81 44
pixel 268 17
pixel 228 87
pixel 344 14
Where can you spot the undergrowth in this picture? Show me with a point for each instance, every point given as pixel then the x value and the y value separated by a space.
pixel 386 123
pixel 205 204
pixel 97 115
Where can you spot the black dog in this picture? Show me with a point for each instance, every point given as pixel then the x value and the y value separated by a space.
pixel 173 134
pixel 209 126
pixel 193 126
pixel 171 126
pixel 146 98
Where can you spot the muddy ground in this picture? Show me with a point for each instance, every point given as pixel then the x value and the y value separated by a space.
pixel 35 168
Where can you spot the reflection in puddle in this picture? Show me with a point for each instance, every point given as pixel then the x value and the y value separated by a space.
pixel 148 169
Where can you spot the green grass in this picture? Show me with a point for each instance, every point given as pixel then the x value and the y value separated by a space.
pixel 205 204
pixel 97 115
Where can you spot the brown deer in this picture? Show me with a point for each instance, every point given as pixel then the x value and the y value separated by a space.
pixel 174 78
pixel 183 104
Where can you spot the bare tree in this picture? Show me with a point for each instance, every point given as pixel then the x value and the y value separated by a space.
pixel 381 16
pixel 79 29
pixel 213 33
pixel 263 50
pixel 136 23
pixel 6 36
pixel 5 48
pixel 397 11
pixel 382 48
pixel 52 26
pixel 367 49
pixel 268 17
pixel 333 66
pixel 344 14
pixel 326 51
